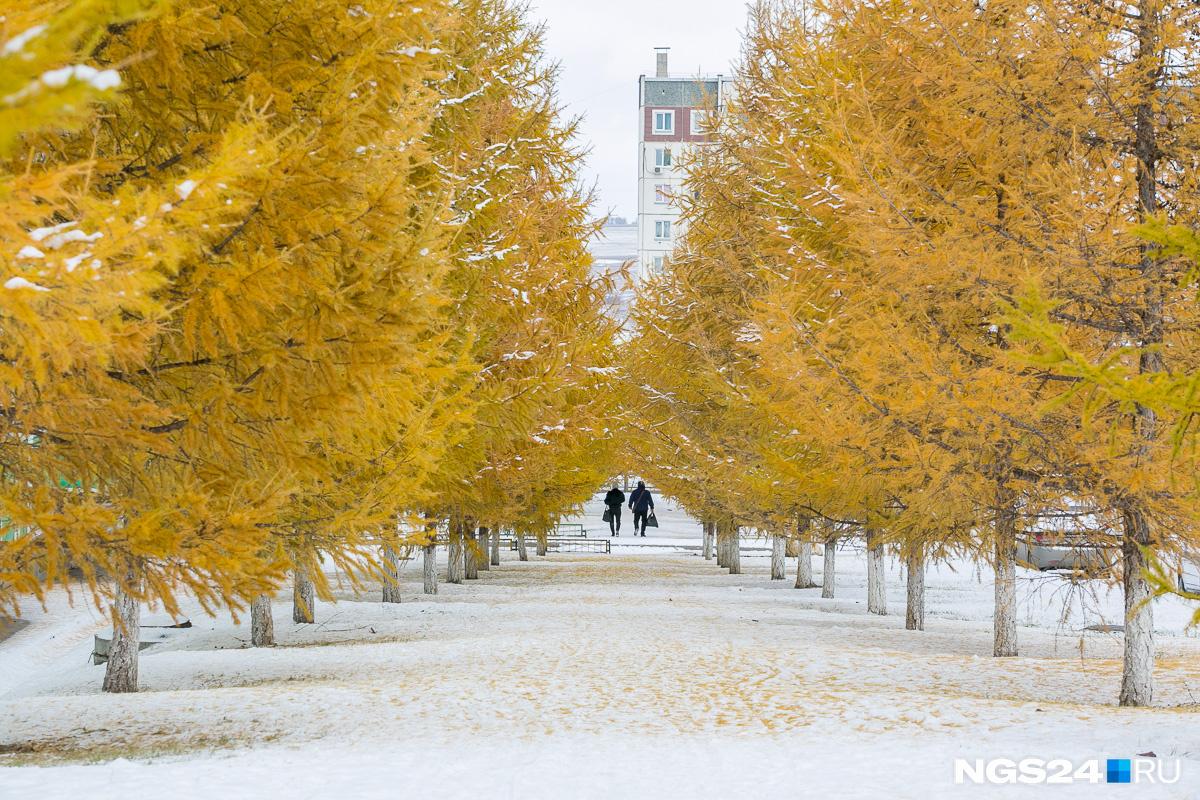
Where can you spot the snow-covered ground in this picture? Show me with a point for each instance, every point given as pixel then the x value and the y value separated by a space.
pixel 647 672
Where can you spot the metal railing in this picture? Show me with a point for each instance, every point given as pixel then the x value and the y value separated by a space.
pixel 566 544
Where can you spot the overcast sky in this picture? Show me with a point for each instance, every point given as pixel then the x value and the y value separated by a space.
pixel 603 45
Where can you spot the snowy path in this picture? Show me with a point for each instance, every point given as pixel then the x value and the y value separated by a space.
pixel 645 673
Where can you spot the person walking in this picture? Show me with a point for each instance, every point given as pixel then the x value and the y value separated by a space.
pixel 613 501
pixel 641 503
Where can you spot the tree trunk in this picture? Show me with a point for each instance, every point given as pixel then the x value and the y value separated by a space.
pixel 707 542
pixel 454 565
pixel 522 548
pixel 804 553
pixel 722 540
pixel 262 622
pixel 876 577
pixel 496 546
pixel 429 568
pixel 471 552
pixel 481 539
pixel 121 672
pixel 735 550
pixel 804 570
pixel 778 558
pixel 1137 672
pixel 542 545
pixel 391 575
pixel 1004 628
pixel 828 571
pixel 304 603
pixel 914 610
pixel 793 547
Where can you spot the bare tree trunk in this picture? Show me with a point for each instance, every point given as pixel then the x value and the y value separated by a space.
pixel 304 602
pixel 454 565
pixel 1004 627
pixel 471 552
pixel 876 576
pixel 121 672
pixel 778 557
pixel 522 548
pixel 429 568
pixel 496 546
pixel 804 569
pixel 914 610
pixel 1137 672
pixel 391 575
pixel 481 539
pixel 804 553
pixel 829 573
pixel 735 550
pixel 262 622
pixel 707 543
pixel 542 544
pixel 722 537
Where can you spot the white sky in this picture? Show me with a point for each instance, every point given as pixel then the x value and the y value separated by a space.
pixel 604 46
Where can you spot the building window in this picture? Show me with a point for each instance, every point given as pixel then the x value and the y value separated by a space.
pixel 659 263
pixel 664 122
pixel 662 193
pixel 701 122
pixel 662 157
pixel 662 229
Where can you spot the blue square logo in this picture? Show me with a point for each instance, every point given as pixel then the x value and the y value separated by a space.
pixel 1118 770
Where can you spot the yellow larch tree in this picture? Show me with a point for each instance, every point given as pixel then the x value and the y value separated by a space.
pixel 89 263
pixel 860 327
pixel 692 366
pixel 527 310
pixel 913 168
pixel 296 350
pixel 1110 307
pixel 1049 196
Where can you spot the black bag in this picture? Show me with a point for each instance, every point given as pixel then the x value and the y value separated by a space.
pixel 651 520
pixel 608 515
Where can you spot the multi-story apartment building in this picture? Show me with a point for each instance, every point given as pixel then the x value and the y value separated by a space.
pixel 671 120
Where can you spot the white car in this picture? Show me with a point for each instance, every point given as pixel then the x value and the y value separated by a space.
pixel 1089 554
pixel 1070 535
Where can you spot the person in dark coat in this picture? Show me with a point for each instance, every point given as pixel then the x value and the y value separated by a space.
pixel 614 500
pixel 641 503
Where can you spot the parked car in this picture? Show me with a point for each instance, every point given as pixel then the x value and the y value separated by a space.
pixel 1070 536
pixel 1080 553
